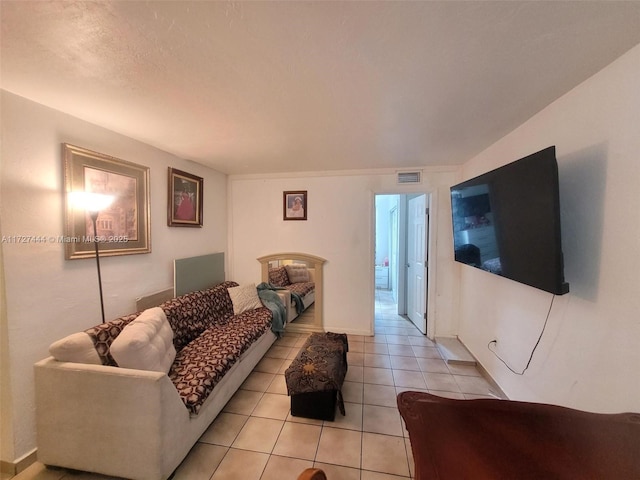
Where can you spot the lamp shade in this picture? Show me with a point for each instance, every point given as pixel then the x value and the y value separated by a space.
pixel 92 202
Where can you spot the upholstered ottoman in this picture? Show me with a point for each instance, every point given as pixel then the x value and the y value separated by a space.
pixel 314 378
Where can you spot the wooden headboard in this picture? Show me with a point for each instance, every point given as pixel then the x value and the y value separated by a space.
pixel 197 273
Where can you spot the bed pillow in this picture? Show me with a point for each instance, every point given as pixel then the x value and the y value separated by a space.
pixel 244 297
pixel 297 273
pixel 77 348
pixel 146 343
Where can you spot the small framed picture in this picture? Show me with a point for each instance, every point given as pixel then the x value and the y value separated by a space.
pixel 185 199
pixel 295 205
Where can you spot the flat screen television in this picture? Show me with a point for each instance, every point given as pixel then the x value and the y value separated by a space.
pixel 507 222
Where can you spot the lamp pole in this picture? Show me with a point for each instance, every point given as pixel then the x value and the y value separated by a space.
pixel 94 218
pixel 93 203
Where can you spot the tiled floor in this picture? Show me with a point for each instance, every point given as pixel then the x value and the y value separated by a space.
pixel 256 438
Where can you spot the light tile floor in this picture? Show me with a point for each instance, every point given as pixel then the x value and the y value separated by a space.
pixel 256 438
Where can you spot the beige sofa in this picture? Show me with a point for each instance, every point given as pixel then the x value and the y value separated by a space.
pixel 140 424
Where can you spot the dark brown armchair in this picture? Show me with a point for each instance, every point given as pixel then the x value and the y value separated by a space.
pixel 502 439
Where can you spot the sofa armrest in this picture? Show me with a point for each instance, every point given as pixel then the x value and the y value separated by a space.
pixel 108 419
pixel 285 296
pixel 289 305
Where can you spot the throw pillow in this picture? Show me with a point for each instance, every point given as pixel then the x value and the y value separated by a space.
pixel 77 348
pixel 297 273
pixel 278 277
pixel 244 297
pixel 146 343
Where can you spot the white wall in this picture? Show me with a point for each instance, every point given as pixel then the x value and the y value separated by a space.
pixel 6 426
pixel 340 229
pixel 588 357
pixel 48 297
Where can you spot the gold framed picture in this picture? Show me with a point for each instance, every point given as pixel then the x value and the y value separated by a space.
pixel 123 228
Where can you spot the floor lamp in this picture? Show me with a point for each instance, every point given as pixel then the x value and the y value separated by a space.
pixel 93 203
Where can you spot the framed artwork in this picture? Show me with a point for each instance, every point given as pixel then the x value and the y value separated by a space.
pixel 123 228
pixel 295 205
pixel 185 199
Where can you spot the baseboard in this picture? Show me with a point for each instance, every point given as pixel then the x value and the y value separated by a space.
pixel 454 351
pixel 487 376
pixel 14 468
pixel 349 331
pixel 491 381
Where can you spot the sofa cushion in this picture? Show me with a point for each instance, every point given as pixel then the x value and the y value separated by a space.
pixel 297 273
pixel 187 315
pixel 77 347
pixel 302 288
pixel 192 313
pixel 244 297
pixel 146 343
pixel 221 304
pixel 278 277
pixel 199 366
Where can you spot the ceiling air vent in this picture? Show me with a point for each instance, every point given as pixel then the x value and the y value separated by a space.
pixel 409 177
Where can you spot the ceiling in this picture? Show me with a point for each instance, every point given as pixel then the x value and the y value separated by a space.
pixel 256 87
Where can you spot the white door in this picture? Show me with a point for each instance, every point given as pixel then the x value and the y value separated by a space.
pixel 417 226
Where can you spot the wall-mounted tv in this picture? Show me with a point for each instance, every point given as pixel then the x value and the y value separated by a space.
pixel 507 222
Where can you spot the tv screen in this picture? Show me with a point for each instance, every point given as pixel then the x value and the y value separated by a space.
pixel 507 222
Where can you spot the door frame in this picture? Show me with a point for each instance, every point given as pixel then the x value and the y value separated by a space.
pixel 431 201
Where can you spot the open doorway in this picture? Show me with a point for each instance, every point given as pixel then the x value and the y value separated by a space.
pixel 401 257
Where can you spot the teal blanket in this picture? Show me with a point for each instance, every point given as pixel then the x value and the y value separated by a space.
pixel 272 301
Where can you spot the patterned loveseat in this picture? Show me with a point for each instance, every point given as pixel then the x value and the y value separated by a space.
pixel 94 415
